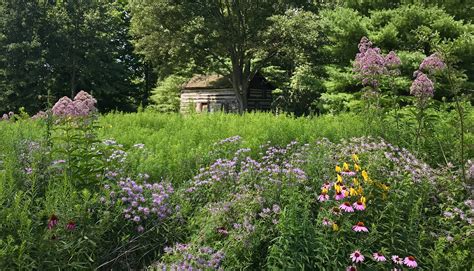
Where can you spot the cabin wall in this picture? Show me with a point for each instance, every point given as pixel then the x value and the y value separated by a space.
pixel 212 100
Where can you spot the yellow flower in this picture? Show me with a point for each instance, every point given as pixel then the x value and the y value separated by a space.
pixel 339 178
pixel 365 175
pixel 346 193
pixel 384 187
pixel 362 199
pixel 352 192
pixel 335 227
pixel 355 158
pixel 356 167
pixel 337 187
pixel 355 181
pixel 324 190
pixel 338 168
pixel 360 190
pixel 345 167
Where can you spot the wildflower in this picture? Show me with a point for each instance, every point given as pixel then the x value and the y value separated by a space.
pixel 336 211
pixel 355 181
pixel 323 197
pixel 136 218
pixel 356 167
pixel 338 169
pixel 223 231
pixel 276 208
pixel 422 87
pixel 365 175
pixel 345 167
pixel 339 179
pixel 364 44
pixel 410 262
pixel 326 222
pixel 339 195
pixel 379 257
pixel 432 64
pixel 392 61
pixel 351 268
pixel 359 227
pixel 140 228
pixel 355 158
pixel 349 173
pixel 346 207
pixel 53 221
pixel 357 257
pixel 352 191
pixel 396 259
pixel 325 186
pixel 335 227
pixel 71 225
pixel 359 205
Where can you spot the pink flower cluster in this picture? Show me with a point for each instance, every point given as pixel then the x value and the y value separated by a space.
pixel 82 105
pixel 422 87
pixel 7 116
pixel 357 257
pixel 370 64
pixel 432 64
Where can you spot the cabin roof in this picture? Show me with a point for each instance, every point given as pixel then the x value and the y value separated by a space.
pixel 216 81
pixel 213 81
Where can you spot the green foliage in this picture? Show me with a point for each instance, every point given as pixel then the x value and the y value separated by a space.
pixel 166 95
pixel 53 48
pixel 343 28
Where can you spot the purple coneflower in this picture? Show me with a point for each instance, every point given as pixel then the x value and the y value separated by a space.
pixel 379 257
pixel 351 268
pixel 357 257
pixel 359 227
pixel 327 222
pixel 359 205
pixel 410 262
pixel 339 195
pixel 346 207
pixel 323 197
pixel 71 225
pixel 396 259
pixel 53 221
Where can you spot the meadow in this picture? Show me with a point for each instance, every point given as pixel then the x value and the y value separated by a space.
pixel 226 192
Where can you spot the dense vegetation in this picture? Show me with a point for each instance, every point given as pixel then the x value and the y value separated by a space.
pixel 49 49
pixel 364 163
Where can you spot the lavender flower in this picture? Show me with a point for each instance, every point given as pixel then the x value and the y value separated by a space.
pixel 432 64
pixel 422 87
pixel 369 64
pixel 83 105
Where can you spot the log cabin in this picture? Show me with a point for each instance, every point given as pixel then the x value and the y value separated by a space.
pixel 214 93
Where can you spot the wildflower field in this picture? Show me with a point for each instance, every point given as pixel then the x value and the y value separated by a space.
pixel 226 192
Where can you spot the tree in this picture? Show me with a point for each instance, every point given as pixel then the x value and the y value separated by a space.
pixel 88 48
pixel 22 65
pixel 231 36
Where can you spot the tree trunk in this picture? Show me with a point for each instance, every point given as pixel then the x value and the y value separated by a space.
pixel 240 83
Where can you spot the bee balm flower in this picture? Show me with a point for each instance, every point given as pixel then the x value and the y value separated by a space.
pixel 359 227
pixel 410 262
pixel 357 257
